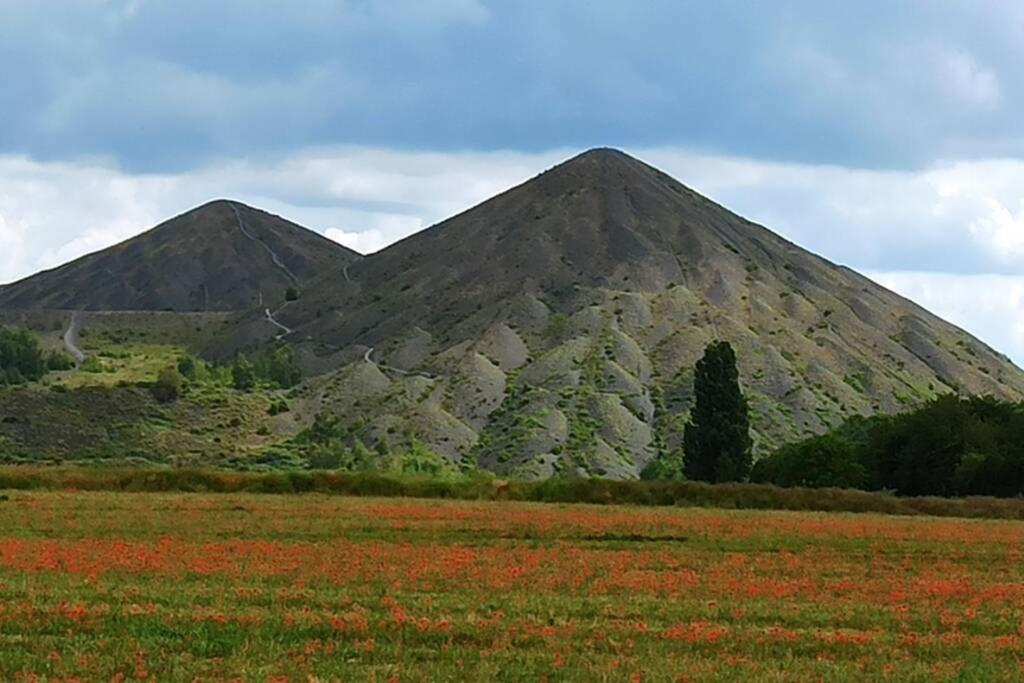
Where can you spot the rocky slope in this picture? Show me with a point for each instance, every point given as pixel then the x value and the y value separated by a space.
pixel 553 328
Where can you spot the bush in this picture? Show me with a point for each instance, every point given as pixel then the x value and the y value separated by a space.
pixel 21 359
pixel 664 467
pixel 243 375
pixel 818 462
pixel 56 361
pixel 279 367
pixel 191 368
pixel 291 294
pixel 682 493
pixel 92 364
pixel 167 386
pixel 276 367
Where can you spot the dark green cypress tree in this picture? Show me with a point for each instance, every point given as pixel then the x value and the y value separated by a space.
pixel 716 441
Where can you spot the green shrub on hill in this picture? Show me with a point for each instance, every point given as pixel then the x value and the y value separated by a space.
pixel 93 364
pixel 193 369
pixel 57 361
pixel 328 445
pixel 276 368
pixel 243 375
pixel 167 387
pixel 278 406
pixel 22 360
pixel 279 368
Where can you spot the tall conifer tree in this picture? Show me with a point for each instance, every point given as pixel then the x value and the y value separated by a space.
pixel 716 441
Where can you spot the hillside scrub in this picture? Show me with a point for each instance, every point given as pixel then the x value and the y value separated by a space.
pixel 276 368
pixel 167 386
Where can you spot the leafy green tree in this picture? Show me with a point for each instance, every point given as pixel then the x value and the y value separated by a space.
pixel 716 440
pixel 291 294
pixel 21 359
pixel 918 453
pixel 243 374
pixel 326 444
pixel 280 368
pixel 666 466
pixel 950 446
pixel 821 461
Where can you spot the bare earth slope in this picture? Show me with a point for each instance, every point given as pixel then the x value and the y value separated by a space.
pixel 219 256
pixel 553 328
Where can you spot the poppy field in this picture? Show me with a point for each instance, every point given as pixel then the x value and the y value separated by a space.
pixel 221 587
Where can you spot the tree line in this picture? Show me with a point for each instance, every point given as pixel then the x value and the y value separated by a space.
pixel 275 368
pixel 951 446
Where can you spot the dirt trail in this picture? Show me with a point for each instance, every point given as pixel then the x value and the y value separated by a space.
pixel 368 357
pixel 70 339
pixel 285 330
pixel 273 255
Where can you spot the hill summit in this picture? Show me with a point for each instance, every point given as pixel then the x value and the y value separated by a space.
pixel 220 256
pixel 554 328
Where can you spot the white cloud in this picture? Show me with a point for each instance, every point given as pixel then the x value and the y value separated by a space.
pixel 1001 229
pixel 375 232
pixel 957 217
pixel 989 306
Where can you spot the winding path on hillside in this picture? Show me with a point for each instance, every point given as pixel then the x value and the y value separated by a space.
pixel 273 254
pixel 383 367
pixel 285 330
pixel 71 339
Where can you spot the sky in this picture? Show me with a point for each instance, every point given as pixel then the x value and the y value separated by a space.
pixel 883 136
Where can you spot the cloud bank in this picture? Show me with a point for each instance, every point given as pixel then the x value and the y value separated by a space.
pixel 163 86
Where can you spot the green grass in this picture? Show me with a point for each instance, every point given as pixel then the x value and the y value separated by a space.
pixel 183 587
pixel 109 364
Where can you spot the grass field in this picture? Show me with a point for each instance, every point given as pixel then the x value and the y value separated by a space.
pixel 166 587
